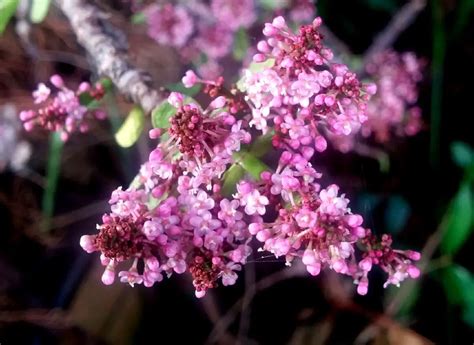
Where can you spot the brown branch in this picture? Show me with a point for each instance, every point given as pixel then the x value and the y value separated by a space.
pixel 108 50
pixel 400 21
pixel 220 328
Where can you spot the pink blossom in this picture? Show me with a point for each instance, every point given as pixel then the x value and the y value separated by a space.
pixel 234 14
pixel 169 24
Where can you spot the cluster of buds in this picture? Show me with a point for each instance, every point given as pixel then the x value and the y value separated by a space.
pixel 189 226
pixel 300 93
pixel 61 108
pixel 392 110
pixel 177 216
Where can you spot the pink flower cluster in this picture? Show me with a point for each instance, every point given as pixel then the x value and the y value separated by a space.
pixel 63 112
pixel 207 29
pixel 317 226
pixel 174 25
pixel 177 218
pixel 303 94
pixel 393 109
pixel 177 221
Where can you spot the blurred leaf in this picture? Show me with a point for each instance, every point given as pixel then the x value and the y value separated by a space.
pixel 52 177
pixel 366 204
pixel 396 214
pixel 107 84
pixel 464 12
pixel 39 10
pixel 458 220
pixel 382 5
pixel 462 154
pixel 251 164
pixel 131 129
pixel 138 18
pixel 468 314
pixel 458 283
pixel 241 44
pixel 161 115
pixel 262 145
pixel 260 66
pixel 273 4
pixel 179 87
pixel 7 10
pixel 231 178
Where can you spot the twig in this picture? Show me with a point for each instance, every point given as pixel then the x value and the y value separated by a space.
pixel 400 21
pixel 109 54
pixel 52 319
pixel 244 324
pixel 226 320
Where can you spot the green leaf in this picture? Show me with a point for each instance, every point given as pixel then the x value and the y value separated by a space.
pixel 271 5
pixel 138 18
pixel 179 87
pixel 160 115
pixel 458 283
pixel 131 129
pixel 231 177
pixel 52 177
pixel 406 304
pixel 462 154
pixel 464 13
pixel 458 220
pixel 251 164
pixel 7 10
pixel 39 10
pixel 260 66
pixel 107 84
pixel 468 314
pixel 262 145
pixel 396 214
pixel 241 44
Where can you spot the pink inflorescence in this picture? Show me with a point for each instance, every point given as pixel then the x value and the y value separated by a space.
pixel 234 14
pixel 177 218
pixel 192 228
pixel 393 109
pixel 169 24
pixel 302 94
pixel 63 111
pixel 316 225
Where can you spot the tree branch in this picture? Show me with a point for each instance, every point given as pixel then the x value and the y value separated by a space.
pixel 400 21
pixel 109 52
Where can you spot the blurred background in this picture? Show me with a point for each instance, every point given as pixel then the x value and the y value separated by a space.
pixel 418 188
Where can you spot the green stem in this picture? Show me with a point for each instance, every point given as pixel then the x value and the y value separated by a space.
pixel 52 176
pixel 439 50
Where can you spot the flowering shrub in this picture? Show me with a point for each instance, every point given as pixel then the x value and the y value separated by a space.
pixel 179 214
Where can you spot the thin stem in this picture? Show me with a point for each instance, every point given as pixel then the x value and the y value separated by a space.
pixel 400 21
